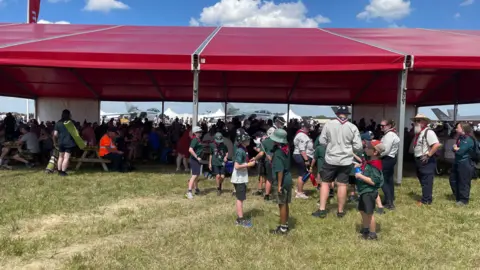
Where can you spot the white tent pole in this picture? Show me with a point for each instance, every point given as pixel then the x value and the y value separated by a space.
pixel 28 11
pixel 401 104
pixel 195 98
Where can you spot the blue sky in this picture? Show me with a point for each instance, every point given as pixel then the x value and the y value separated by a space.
pixel 453 14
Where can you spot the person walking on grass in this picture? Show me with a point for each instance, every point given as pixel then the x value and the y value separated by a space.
pixel 195 150
pixel 218 158
pixel 369 180
pixel 267 148
pixel 391 141
pixel 341 138
pixel 463 168
pixel 240 176
pixel 425 145
pixel 282 178
pixel 302 155
pixel 65 141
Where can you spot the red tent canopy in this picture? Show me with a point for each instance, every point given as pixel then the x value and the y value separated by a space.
pixel 268 65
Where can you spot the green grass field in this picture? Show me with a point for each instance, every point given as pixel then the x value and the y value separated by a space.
pixel 96 220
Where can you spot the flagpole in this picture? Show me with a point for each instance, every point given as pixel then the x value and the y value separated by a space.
pixel 28 11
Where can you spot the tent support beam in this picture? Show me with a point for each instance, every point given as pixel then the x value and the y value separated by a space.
pixel 294 87
pixel 225 88
pixel 156 84
pixel 85 83
pixel 366 87
pixel 288 113
pixel 401 106
pixel 196 74
pixel 163 111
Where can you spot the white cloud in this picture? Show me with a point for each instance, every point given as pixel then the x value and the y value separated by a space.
pixel 457 15
pixel 105 5
pixel 257 13
pixel 389 10
pixel 49 22
pixel 467 2
pixel 394 25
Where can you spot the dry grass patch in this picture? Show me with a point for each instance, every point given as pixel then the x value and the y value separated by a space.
pixel 142 221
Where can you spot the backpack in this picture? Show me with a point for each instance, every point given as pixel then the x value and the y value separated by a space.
pixel 475 153
pixel 437 154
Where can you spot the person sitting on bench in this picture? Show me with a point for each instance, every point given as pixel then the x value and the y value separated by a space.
pixel 108 150
pixel 31 151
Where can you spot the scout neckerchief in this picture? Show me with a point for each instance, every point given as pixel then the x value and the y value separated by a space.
pixel 220 154
pixel 374 163
pixel 301 131
pixel 391 130
pixel 418 135
pixel 342 120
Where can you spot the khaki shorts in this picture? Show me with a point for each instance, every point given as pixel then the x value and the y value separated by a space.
pixel 285 197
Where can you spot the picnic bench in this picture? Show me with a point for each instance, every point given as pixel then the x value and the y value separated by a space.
pixel 86 159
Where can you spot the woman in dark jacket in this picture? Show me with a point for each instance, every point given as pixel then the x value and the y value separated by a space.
pixel 463 167
pixel 65 142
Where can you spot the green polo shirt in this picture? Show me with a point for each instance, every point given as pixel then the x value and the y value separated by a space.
pixel 218 152
pixel 281 163
pixel 376 176
pixel 197 146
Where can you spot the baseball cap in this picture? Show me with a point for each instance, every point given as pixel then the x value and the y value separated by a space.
pixel 377 145
pixel 342 110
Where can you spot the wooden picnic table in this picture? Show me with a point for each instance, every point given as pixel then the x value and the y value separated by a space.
pixel 84 158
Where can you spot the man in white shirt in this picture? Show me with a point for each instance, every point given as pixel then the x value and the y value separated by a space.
pixel 302 155
pixel 342 139
pixel 391 141
pixel 425 145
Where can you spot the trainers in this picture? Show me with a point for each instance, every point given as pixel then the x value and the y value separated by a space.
pixel 244 223
pixel 178 169
pixel 60 173
pixel 266 198
pixel 380 211
pixel 390 207
pixel 280 231
pixel 320 213
pixel 189 195
pixel 371 236
pixel 340 214
pixel 301 195
pixel 461 204
pixel 219 192
pixel 197 191
pixel 365 231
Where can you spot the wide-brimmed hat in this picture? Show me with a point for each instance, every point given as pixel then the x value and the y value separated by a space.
pixel 218 137
pixel 196 129
pixel 421 117
pixel 279 119
pixel 279 136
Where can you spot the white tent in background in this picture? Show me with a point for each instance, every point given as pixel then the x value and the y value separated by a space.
pixel 170 113
pixel 219 113
pixel 292 115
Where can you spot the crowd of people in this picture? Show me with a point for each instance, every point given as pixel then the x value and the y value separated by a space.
pixel 357 160
pixel 345 155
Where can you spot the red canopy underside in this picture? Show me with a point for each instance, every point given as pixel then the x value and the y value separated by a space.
pixel 298 66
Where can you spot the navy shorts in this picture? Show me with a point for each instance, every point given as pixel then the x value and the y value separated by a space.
pixel 301 169
pixel 269 171
pixel 261 167
pixel 218 170
pixel 241 191
pixel 64 149
pixel 195 166
pixel 366 202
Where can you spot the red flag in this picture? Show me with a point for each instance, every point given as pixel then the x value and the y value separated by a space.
pixel 33 10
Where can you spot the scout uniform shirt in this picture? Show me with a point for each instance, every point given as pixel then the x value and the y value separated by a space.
pixel 267 147
pixel 373 170
pixel 281 163
pixel 465 145
pixel 218 152
pixel 341 139
pixel 302 142
pixel 240 176
pixel 423 141
pixel 197 147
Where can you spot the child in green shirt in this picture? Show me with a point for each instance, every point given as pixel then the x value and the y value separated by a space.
pixel 195 150
pixel 282 178
pixel 368 183
pixel 218 157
